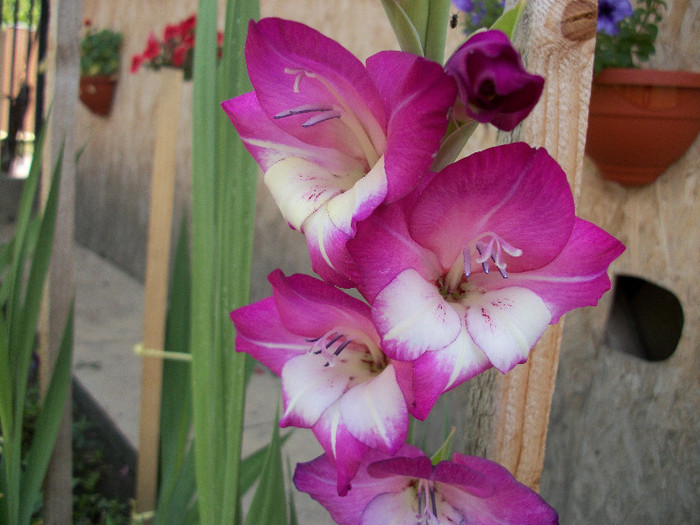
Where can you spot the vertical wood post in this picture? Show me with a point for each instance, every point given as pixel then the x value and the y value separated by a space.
pixel 557 40
pixel 62 94
pixel 156 285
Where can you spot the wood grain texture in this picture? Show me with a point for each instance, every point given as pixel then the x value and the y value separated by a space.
pixel 156 286
pixel 556 39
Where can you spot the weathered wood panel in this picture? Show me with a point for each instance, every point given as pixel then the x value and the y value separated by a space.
pixel 623 439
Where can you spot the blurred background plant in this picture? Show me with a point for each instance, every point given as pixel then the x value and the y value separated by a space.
pixel 99 51
pixel 626 35
pixel 479 14
pixel 175 48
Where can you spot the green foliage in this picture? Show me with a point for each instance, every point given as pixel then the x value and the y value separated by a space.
pixel 634 43
pixel 27 12
pixel 21 293
pixel 99 52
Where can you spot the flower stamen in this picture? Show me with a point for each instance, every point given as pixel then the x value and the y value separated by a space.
pixel 342 112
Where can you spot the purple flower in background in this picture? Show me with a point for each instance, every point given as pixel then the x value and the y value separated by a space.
pixel 610 13
pixel 493 84
pixel 408 489
pixel 463 5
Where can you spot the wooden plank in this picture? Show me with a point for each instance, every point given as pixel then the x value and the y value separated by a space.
pixel 557 39
pixel 156 285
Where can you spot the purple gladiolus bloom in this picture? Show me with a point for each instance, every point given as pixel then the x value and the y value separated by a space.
pixel 468 274
pixel 611 13
pixel 493 84
pixel 409 490
pixel 335 378
pixel 335 138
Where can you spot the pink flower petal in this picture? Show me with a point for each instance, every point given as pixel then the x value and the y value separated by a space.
pixel 417 94
pixel 512 503
pixel 309 388
pixel 383 248
pixel 514 191
pixel 375 412
pixel 412 317
pixel 311 307
pixel 268 143
pixel 440 371
pixel 292 66
pixel 578 276
pixel 273 346
pixel 343 450
pixel 506 324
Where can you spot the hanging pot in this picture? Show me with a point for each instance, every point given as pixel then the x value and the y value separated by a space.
pixel 97 92
pixel 641 121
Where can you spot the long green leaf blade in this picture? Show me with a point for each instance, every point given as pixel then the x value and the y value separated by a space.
pixel 48 423
pixel 204 260
pixel 269 504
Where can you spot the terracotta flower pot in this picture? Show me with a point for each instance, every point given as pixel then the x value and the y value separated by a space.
pixel 97 93
pixel 641 121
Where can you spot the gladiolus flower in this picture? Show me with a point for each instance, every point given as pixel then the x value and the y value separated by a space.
pixel 335 378
pixel 493 84
pixel 408 489
pixel 334 138
pixel 471 272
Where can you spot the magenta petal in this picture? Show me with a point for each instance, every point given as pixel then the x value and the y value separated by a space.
pixel 439 371
pixel 344 450
pixel 578 276
pixel 292 65
pixel 512 503
pixel 375 412
pixel 412 467
pixel 517 192
pixel 383 248
pixel 261 333
pixel 318 479
pixel 311 307
pixel 473 481
pixel 268 143
pixel 417 94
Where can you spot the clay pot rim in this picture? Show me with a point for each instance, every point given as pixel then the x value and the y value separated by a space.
pixel 648 77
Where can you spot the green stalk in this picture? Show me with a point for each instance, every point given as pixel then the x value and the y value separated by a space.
pixel 203 260
pixel 223 207
pixel 237 189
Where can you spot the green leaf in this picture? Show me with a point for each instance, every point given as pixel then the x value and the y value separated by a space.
pixel 509 20
pixel 268 505
pixel 407 35
pixel 48 423
pixel 176 452
pixel 252 465
pixel 436 31
pixel 443 453
pixel 453 145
